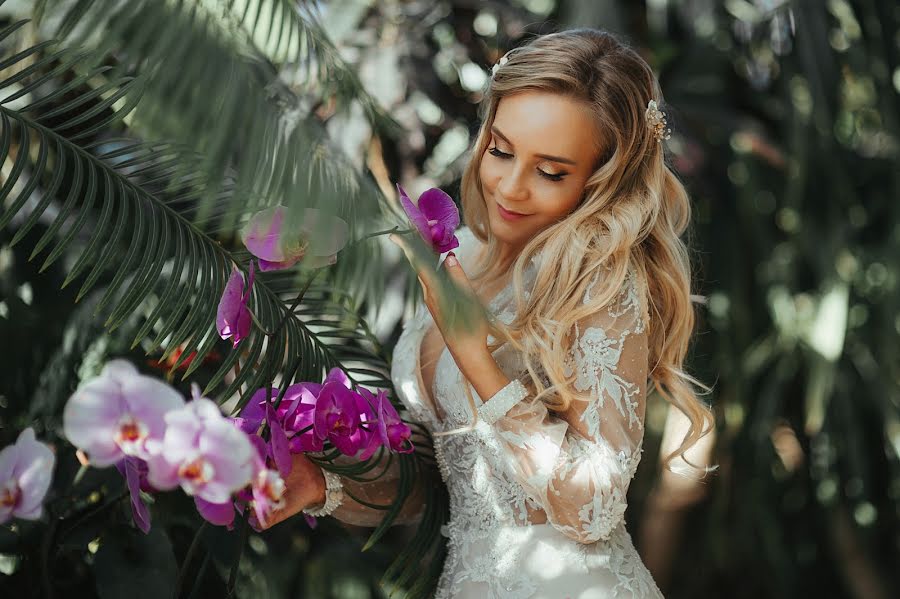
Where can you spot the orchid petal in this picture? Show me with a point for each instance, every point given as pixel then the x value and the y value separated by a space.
pixel 435 218
pixel 416 217
pixel 140 513
pixel 27 465
pixel 278 443
pixel 262 234
pixel 221 514
pixel 94 415
pixel 435 204
pixel 327 233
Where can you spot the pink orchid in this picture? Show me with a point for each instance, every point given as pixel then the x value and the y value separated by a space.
pixel 203 453
pixel 220 514
pixel 436 218
pixel 26 471
pixel 266 490
pixel 118 413
pixel 317 240
pixel 267 486
pixel 233 316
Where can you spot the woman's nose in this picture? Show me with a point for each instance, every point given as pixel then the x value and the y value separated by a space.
pixel 512 187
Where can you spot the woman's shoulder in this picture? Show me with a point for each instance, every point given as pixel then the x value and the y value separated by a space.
pixel 632 297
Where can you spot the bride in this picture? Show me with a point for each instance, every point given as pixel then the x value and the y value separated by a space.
pixel 537 412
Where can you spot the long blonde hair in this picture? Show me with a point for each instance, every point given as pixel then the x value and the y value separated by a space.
pixel 632 215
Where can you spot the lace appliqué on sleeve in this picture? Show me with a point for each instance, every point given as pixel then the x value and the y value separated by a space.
pixel 578 465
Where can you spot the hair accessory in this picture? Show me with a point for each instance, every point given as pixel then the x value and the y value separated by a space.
pixel 503 60
pixel 656 120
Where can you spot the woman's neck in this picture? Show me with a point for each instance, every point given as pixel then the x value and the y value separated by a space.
pixel 505 256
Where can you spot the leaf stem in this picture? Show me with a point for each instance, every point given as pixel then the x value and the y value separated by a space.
pixel 232 576
pixel 187 558
pixel 384 232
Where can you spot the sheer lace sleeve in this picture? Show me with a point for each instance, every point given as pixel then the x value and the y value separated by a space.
pixel 577 465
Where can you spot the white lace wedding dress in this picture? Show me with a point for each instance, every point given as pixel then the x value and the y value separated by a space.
pixel 537 504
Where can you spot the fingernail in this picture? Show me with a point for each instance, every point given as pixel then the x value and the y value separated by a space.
pixel 451 260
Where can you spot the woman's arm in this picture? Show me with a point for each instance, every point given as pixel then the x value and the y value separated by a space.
pixel 306 489
pixel 578 464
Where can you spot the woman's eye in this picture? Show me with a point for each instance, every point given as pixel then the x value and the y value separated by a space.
pixel 552 176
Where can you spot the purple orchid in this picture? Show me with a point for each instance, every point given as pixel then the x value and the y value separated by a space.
pixel 233 316
pixel 300 416
pixel 278 442
pixel 26 471
pixel 117 413
pixel 368 406
pixel 394 433
pixel 436 218
pixel 203 452
pixel 347 419
pixel 294 414
pixel 337 418
pixel 317 240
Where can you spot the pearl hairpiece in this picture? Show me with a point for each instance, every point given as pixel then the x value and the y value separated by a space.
pixel 656 120
pixel 503 60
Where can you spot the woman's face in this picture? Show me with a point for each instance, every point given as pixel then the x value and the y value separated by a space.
pixel 542 151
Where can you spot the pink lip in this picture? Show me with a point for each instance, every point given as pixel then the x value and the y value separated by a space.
pixel 507 215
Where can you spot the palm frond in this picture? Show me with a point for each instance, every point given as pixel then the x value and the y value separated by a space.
pixel 130 211
pixel 226 101
pixel 289 33
pixel 144 231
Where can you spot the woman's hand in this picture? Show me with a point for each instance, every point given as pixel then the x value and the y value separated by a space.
pixel 303 487
pixel 467 341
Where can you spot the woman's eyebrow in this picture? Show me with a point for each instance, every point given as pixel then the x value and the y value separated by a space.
pixel 559 159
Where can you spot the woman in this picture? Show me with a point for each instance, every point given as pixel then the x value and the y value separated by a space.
pixel 537 412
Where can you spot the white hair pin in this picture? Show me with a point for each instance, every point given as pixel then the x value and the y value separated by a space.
pixel 656 120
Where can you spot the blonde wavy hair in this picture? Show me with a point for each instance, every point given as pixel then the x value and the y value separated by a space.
pixel 632 214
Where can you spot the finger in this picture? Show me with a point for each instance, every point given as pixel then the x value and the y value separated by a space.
pixel 425 292
pixel 456 273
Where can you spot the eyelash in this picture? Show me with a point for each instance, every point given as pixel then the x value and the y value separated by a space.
pixel 503 156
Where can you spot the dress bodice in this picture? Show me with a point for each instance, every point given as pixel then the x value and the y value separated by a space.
pixel 519 466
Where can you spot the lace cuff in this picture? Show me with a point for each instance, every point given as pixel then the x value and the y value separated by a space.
pixel 502 402
pixel 334 496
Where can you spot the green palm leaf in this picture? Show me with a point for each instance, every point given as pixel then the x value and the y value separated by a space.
pixel 129 210
pixel 225 98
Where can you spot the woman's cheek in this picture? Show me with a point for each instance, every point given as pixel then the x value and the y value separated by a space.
pixel 487 174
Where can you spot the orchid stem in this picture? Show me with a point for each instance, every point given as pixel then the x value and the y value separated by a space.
pixel 232 576
pixel 385 232
pixel 258 323
pixel 295 303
